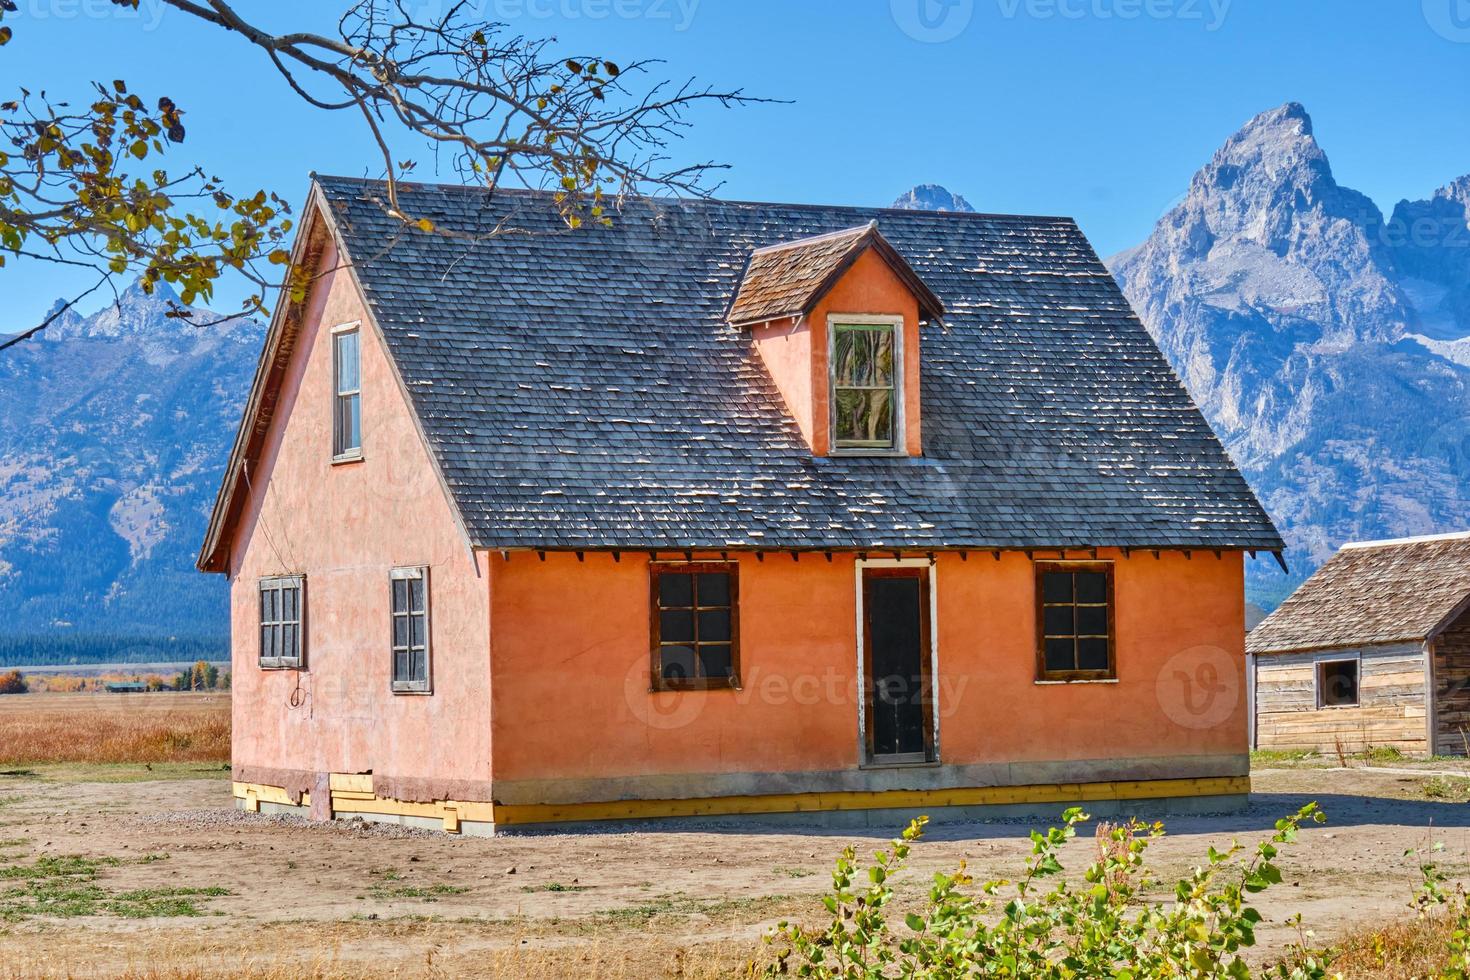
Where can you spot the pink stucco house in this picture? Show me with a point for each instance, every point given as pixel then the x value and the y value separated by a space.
pixel 728 510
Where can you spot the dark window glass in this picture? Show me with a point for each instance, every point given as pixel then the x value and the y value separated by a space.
pixel 694 623
pixel 1075 621
pixel 675 590
pixel 1056 586
pixel 1337 683
pixel 676 626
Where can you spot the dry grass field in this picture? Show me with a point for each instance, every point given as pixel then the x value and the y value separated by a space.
pixel 114 728
pixel 143 869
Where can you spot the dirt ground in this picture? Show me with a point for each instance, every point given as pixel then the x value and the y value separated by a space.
pixel 344 900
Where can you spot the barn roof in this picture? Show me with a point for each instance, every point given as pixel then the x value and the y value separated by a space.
pixel 585 389
pixel 1373 592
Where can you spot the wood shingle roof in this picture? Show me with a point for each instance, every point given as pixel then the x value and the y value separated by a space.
pixel 1370 593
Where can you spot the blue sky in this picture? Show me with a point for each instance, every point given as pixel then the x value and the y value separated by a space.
pixel 1100 109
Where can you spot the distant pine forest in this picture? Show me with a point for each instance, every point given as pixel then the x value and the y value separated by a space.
pixel 101 648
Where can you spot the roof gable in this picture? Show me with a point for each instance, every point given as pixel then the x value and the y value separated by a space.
pixel 1376 592
pixel 789 279
pixel 583 390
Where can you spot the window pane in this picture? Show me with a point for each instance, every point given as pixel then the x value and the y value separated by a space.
pixel 269 608
pixel 1056 587
pixel 1092 654
pixel 288 604
pixel 676 626
pixel 416 594
pixel 416 630
pixel 675 589
pixel 864 357
pixel 1092 620
pixel 352 422
pixel 1092 587
pixel 714 624
pixel 347 373
pixel 400 631
pixel 676 662
pixel 400 595
pixel 288 641
pixel 1058 620
pixel 865 416
pixel 714 660
pixel 265 642
pixel 714 589
pixel 1059 654
pixel 400 665
pixel 1339 683
pixel 420 666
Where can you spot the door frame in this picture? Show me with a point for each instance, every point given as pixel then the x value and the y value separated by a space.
pixel 930 626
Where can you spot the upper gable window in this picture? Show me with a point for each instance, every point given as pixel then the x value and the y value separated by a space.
pixel 347 400
pixel 866 382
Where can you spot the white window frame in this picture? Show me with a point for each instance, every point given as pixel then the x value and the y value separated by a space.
pixel 1356 660
pixel 278 584
pixel 835 320
pixel 426 686
pixel 341 453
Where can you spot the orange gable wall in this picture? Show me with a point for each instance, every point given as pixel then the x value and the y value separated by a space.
pixel 345 526
pixel 573 714
pixel 796 355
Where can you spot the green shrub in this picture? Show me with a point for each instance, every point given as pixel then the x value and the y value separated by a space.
pixel 1039 925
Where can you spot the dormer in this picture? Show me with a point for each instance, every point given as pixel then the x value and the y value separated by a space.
pixel 836 321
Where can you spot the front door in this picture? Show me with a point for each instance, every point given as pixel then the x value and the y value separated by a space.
pixel 898 691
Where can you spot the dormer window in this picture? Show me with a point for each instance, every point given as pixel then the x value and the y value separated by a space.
pixel 836 319
pixel 866 379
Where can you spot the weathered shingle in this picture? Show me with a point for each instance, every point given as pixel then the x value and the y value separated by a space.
pixel 584 389
pixel 1376 592
pixel 788 280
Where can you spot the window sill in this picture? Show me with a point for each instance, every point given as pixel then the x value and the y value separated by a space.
pixel 347 458
pixel 1079 680
pixel 878 764
pixel 888 453
pixel 1337 707
pixel 413 693
pixel 297 666
pixel 694 686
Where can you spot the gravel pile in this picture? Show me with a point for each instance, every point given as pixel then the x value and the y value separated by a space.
pixel 205 819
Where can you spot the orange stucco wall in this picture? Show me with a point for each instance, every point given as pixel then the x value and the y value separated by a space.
pixel 570 656
pixel 796 354
pixel 344 527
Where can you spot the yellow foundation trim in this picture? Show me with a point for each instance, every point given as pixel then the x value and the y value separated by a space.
pixel 534 813
pixel 352 783
pixel 255 794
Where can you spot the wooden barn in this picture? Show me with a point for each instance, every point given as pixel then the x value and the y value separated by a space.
pixel 1372 651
